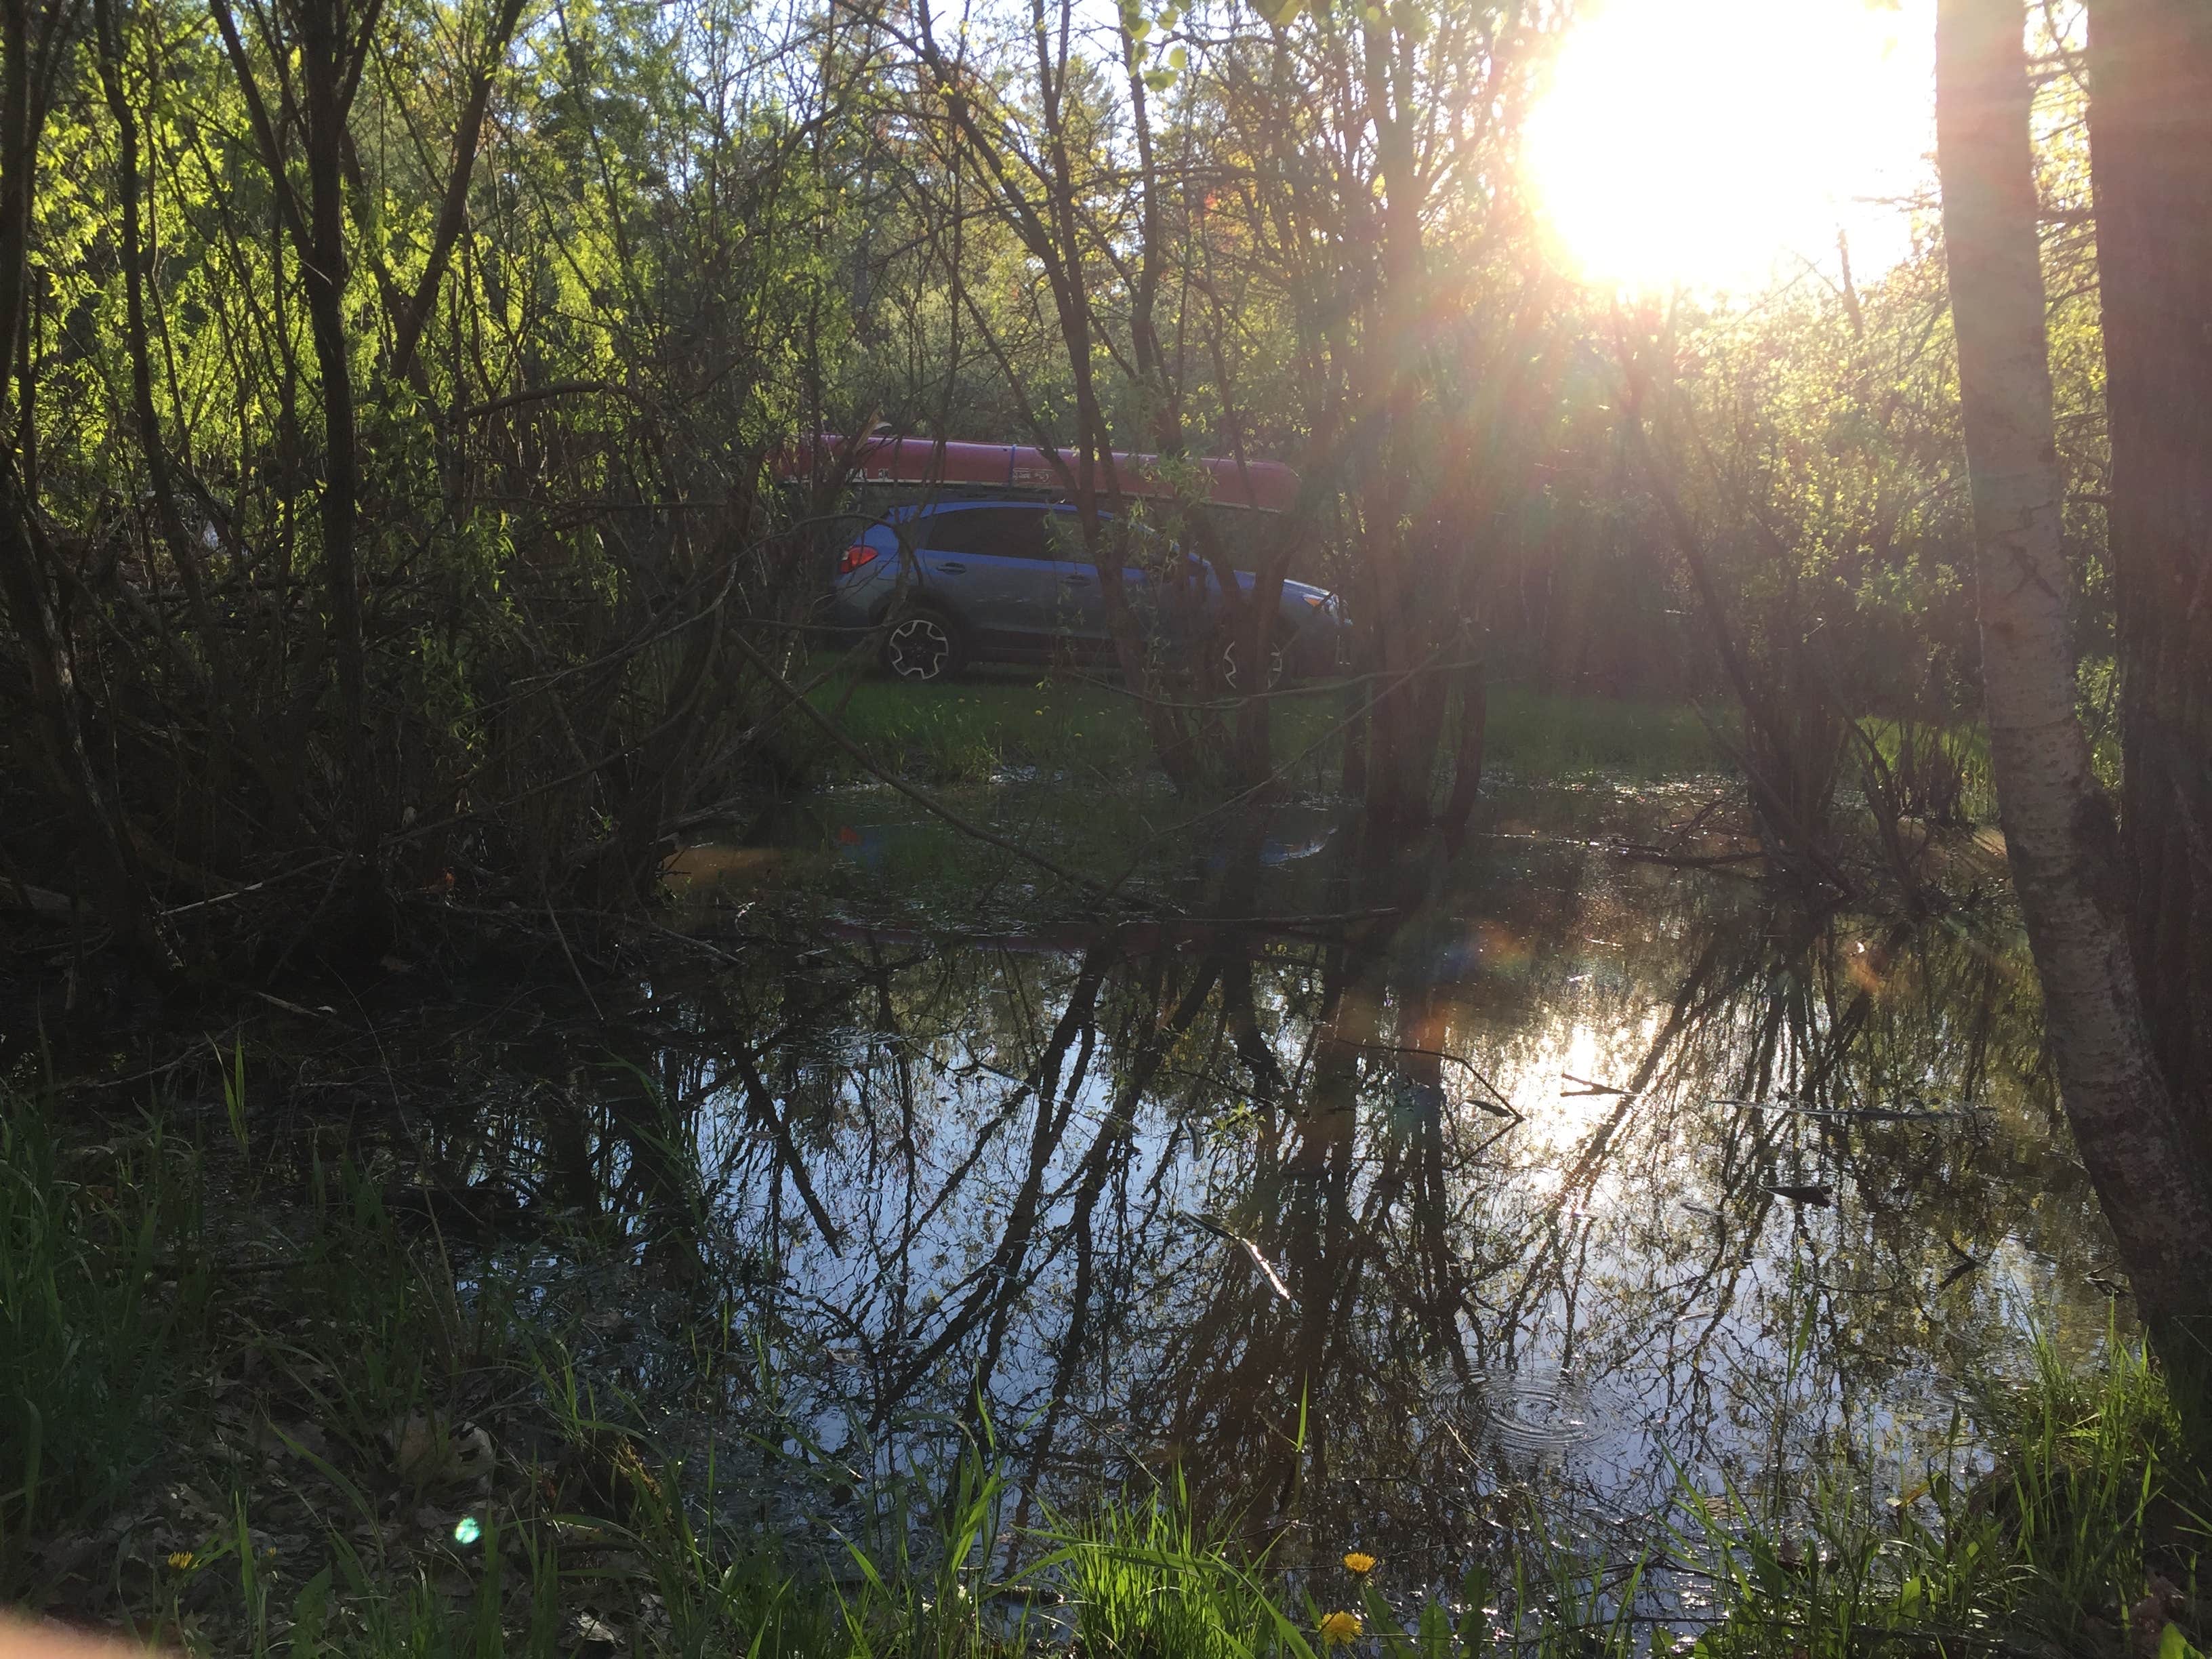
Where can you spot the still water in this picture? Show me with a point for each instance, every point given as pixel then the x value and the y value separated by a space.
pixel 1363 1196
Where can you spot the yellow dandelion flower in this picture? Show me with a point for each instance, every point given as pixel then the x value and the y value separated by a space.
pixel 1338 1628
pixel 183 1561
pixel 1361 1563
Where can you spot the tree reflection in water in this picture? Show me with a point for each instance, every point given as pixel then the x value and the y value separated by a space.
pixel 1575 1171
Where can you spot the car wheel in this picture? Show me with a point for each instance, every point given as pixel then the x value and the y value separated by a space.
pixel 922 647
pixel 1229 672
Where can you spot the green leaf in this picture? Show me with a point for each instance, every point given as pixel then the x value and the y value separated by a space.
pixel 2173 1644
pixel 1177 58
pixel 307 1611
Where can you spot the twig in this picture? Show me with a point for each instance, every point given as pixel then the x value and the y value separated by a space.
pixel 1869 1114
pixel 1497 1105
pixel 1251 1249
pixel 1588 1087
pixel 590 1001
pixel 294 1007
pixel 307 869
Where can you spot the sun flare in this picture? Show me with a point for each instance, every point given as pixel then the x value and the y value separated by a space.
pixel 1702 141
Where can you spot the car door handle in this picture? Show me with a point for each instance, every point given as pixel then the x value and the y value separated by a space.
pixel 952 569
pixel 1077 581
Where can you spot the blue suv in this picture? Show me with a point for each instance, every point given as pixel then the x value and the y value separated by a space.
pixel 1006 582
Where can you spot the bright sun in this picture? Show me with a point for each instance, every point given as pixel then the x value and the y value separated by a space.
pixel 1706 142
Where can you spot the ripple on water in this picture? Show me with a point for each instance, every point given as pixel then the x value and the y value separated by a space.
pixel 1529 1410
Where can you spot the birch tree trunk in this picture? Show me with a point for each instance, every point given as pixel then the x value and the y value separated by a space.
pixel 2063 841
pixel 2150 141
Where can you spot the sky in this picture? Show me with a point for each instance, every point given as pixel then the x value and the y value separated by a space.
pixel 1717 144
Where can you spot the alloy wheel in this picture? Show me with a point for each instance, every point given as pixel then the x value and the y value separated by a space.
pixel 1226 665
pixel 918 648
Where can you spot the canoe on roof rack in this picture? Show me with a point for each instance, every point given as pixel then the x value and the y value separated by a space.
pixel 1263 486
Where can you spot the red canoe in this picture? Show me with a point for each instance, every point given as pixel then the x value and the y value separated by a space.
pixel 1268 486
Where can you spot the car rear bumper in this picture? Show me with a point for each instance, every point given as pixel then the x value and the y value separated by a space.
pixel 854 608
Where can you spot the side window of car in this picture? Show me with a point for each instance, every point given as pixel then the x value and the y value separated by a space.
pixel 953 532
pixel 1006 532
pixel 1016 533
pixel 1062 530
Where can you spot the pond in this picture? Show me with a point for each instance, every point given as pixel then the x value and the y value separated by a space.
pixel 1363 1197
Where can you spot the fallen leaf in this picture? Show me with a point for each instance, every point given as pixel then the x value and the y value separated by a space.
pixel 591 1636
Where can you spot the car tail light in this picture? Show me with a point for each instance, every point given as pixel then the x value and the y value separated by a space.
pixel 855 556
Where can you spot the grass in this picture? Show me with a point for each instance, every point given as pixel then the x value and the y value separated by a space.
pixel 976 728
pixel 246 1406
pixel 994 721
pixel 87 1347
pixel 2083 1540
pixel 1535 735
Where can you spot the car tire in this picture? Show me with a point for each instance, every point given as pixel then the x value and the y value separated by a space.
pixel 923 648
pixel 1228 674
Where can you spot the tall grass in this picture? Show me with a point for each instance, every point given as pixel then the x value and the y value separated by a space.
pixel 1141 1579
pixel 97 1299
pixel 2083 1539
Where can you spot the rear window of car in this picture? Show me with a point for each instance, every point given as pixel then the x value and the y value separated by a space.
pixel 1006 532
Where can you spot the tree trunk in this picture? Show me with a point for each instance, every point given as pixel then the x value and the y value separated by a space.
pixel 452 211
pixel 1467 757
pixel 2150 135
pixel 331 45
pixel 326 72
pixel 2063 844
pixel 119 889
